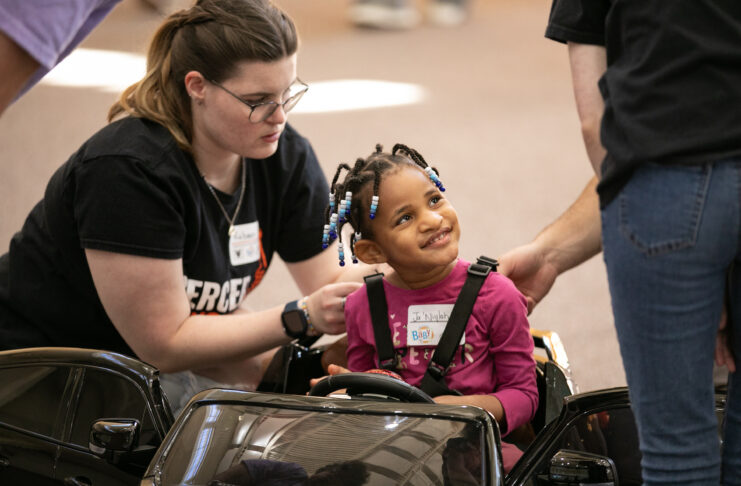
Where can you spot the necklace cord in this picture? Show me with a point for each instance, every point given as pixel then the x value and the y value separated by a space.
pixel 233 219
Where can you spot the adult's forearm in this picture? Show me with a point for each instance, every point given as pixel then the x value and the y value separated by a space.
pixel 206 341
pixel 576 235
pixel 588 64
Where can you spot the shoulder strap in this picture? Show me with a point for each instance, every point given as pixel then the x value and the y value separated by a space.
pixel 433 382
pixel 387 358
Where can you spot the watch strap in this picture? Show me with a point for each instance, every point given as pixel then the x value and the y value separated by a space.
pixel 293 308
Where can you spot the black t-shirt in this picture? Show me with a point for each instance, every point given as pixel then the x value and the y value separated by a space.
pixel 130 189
pixel 672 89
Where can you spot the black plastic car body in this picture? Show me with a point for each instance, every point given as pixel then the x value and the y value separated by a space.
pixel 222 433
pixel 78 417
pixel 83 417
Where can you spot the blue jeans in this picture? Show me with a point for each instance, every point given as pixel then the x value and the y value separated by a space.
pixel 669 239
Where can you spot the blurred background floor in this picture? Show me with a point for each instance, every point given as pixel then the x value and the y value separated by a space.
pixel 489 103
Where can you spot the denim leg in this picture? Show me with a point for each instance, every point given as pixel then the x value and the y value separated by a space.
pixel 668 239
pixel 732 424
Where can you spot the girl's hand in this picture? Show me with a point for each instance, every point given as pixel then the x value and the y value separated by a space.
pixel 332 369
pixel 327 306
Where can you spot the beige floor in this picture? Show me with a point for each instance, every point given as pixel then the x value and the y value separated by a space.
pixel 499 122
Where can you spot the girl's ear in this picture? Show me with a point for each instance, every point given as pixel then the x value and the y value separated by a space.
pixel 369 252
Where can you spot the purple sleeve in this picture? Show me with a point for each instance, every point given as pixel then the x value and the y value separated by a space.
pixel 49 31
pixel 512 347
pixel 361 353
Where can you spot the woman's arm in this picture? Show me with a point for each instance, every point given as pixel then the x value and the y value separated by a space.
pixel 146 301
pixel 328 283
pixel 324 268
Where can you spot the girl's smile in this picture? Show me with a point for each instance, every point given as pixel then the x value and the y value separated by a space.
pixel 416 229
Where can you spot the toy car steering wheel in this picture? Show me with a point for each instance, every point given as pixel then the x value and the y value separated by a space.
pixel 365 383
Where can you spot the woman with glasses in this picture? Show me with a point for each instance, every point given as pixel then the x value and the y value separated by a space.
pixel 151 235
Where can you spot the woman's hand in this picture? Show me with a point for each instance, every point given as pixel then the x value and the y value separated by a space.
pixel 327 306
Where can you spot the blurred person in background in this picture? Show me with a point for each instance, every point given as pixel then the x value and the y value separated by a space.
pixel 402 14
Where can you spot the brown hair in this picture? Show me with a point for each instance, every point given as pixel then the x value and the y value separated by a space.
pixel 211 37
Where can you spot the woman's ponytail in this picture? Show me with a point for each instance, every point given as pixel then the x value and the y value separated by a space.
pixel 211 38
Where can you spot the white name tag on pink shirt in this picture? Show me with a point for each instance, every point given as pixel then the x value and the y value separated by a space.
pixel 244 244
pixel 426 323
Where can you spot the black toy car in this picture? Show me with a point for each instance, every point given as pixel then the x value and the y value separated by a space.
pixel 78 417
pixel 82 417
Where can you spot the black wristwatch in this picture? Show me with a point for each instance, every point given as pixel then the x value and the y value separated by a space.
pixel 294 320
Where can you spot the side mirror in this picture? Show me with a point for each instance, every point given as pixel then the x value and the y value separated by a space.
pixel 109 436
pixel 582 468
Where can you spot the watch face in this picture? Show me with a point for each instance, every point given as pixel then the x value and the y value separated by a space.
pixel 294 322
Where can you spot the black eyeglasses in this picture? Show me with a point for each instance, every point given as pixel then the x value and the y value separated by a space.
pixel 260 112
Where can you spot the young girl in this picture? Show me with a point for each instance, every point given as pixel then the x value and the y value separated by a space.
pixel 400 217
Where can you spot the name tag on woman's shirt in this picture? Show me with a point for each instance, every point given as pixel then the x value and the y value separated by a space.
pixel 244 244
pixel 426 323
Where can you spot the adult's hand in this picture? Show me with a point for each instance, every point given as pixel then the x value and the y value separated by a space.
pixel 723 351
pixel 570 240
pixel 327 306
pixel 531 273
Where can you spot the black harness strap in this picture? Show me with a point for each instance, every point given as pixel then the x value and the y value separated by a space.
pixel 433 382
pixel 387 358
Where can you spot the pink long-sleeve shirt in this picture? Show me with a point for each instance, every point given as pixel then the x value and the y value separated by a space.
pixel 496 357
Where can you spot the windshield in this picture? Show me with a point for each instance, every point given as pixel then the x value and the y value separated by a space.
pixel 246 444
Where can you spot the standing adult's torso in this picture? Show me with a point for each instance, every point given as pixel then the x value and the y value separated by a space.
pixel 673 80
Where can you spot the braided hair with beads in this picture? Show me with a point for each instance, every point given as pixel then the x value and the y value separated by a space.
pixel 355 200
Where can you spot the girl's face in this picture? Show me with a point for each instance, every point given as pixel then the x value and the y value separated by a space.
pixel 416 229
pixel 221 123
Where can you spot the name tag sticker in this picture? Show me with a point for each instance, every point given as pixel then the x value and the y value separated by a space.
pixel 244 244
pixel 426 323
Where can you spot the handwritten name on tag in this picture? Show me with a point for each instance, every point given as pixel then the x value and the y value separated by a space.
pixel 426 324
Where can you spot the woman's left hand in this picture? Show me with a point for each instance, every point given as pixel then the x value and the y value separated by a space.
pixel 327 306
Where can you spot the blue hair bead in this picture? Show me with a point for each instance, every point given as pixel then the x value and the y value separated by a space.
pixel 373 207
pixel 341 212
pixel 325 236
pixel 333 226
pixel 434 178
pixel 352 248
